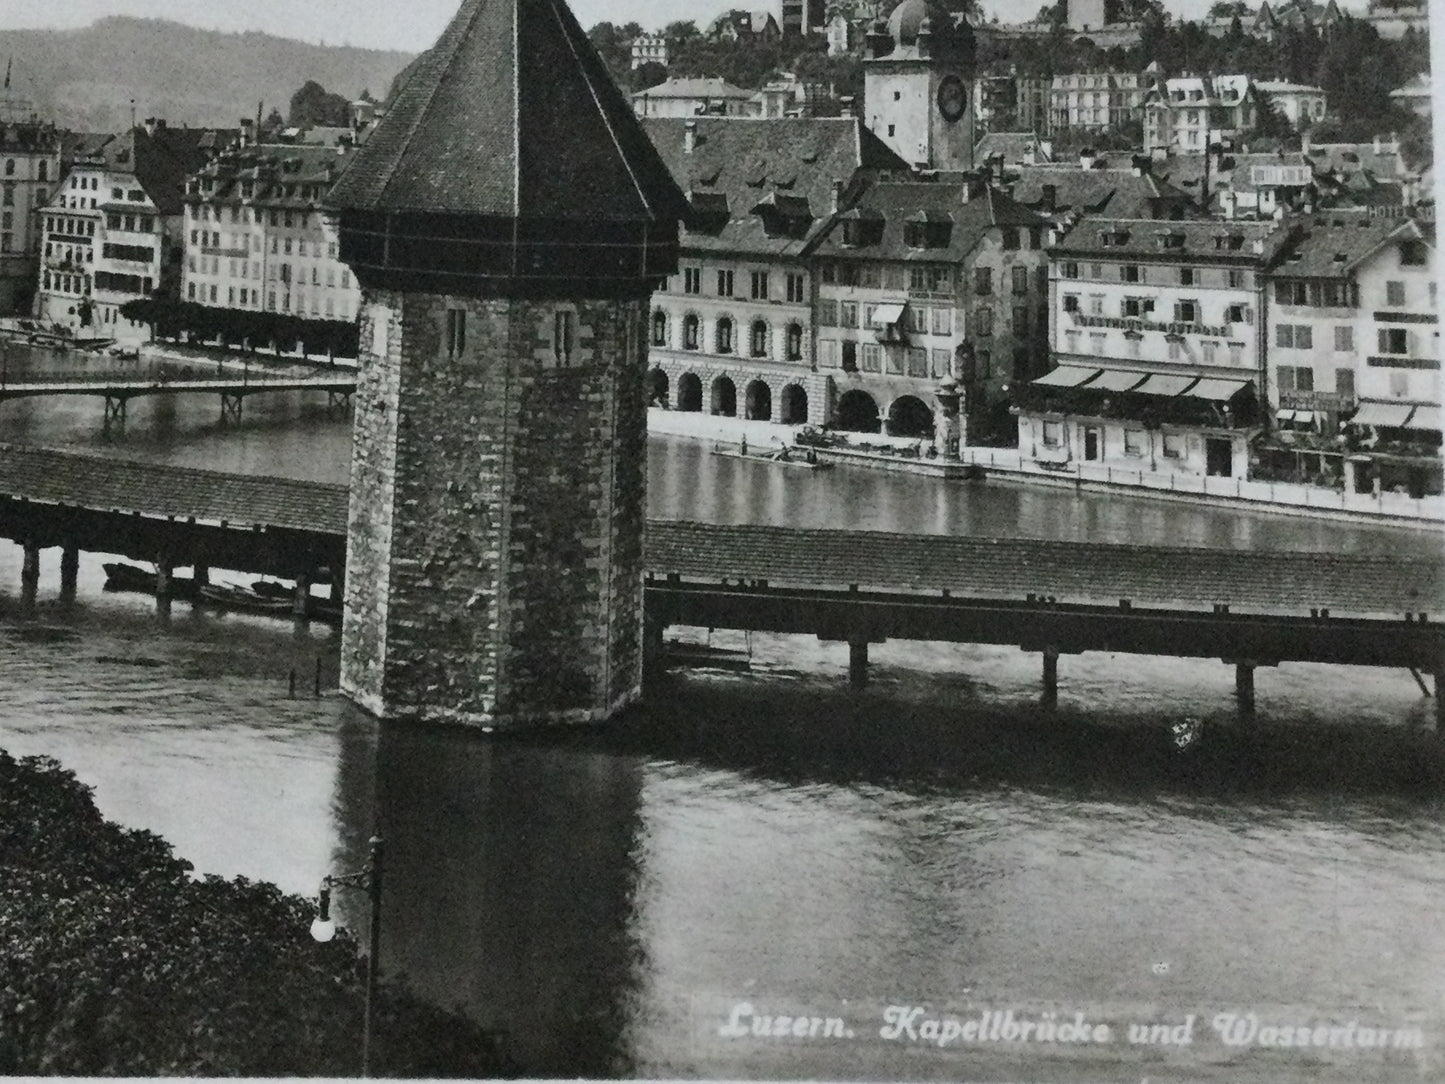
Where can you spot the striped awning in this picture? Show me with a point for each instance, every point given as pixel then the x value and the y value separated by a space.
pixel 1216 390
pixel 1387 415
pixel 1066 376
pixel 1117 380
pixel 1164 384
pixel 1425 417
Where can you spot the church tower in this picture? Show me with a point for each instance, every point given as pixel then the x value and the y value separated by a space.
pixel 918 75
pixel 508 221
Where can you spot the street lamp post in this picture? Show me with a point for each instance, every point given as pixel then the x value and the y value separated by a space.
pixel 324 929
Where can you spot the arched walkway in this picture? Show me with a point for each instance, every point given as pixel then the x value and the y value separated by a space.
pixel 758 401
pixel 856 412
pixel 795 405
pixel 657 391
pixel 724 397
pixel 909 416
pixel 689 392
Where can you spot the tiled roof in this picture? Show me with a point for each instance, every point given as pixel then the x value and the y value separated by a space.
pixel 273 169
pixel 741 162
pixel 162 161
pixel 1012 145
pixel 694 88
pixel 1145 238
pixel 1348 158
pixel 898 203
pixel 511 114
pixel 1093 573
pixel 93 481
pixel 1331 244
pixel 1112 191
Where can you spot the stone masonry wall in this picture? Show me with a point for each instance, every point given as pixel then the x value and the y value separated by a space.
pixel 513 586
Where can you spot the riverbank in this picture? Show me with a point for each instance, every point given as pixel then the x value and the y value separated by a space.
pixel 120 962
pixel 909 455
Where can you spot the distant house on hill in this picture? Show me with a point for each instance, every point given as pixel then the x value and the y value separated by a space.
pixel 745 26
pixel 692 97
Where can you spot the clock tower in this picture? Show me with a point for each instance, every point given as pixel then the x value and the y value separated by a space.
pixel 918 85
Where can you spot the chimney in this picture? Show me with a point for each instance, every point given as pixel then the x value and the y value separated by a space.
pixel 689 136
pixel 247 134
pixel 1143 166
pixel 150 126
pixel 837 202
pixel 1304 144
pixel 1030 156
pixel 1377 144
pixel 1086 158
pixel 1051 198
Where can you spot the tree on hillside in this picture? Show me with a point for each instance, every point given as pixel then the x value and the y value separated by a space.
pixel 313 104
pixel 272 126
pixel 1225 9
pixel 680 33
pixel 648 74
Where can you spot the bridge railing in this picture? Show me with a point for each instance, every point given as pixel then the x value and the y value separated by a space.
pixel 164 372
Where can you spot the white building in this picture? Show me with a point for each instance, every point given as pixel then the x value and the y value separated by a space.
pixel 1300 105
pixel 649 49
pixel 1189 113
pixel 692 98
pixel 257 238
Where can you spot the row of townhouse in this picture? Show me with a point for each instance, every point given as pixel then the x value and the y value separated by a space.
pixel 822 281
pixel 1305 348
pixel 112 228
pixel 256 235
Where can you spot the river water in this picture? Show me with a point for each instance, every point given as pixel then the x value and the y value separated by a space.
pixel 773 840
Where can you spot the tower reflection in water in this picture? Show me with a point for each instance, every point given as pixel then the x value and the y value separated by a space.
pixel 509 901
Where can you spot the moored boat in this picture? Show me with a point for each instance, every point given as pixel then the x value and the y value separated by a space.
pixel 243 598
pixel 120 576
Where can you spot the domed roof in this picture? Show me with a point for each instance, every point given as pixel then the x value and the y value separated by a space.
pixel 904 22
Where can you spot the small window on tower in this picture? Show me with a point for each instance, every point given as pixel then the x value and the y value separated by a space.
pixel 563 336
pixel 456 332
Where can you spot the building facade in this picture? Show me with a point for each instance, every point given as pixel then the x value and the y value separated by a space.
pixel 925 283
pixel 1098 101
pixel 29 171
pixel 113 228
pixel 1355 348
pixel 1188 114
pixel 732 332
pixel 257 238
pixel 1159 348
pixel 649 49
pixel 1299 104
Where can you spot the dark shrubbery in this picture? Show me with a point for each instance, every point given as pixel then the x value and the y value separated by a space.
pixel 115 960
pixel 173 319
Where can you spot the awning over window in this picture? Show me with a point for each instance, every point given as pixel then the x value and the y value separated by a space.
pixel 1390 415
pixel 1065 376
pixel 1425 417
pixel 1215 390
pixel 1164 384
pixel 1117 380
pixel 887 315
pixel 1284 415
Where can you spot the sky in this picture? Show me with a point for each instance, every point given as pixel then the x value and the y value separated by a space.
pixel 410 25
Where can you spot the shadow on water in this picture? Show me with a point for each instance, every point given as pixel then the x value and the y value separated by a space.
pixel 798 736
pixel 510 876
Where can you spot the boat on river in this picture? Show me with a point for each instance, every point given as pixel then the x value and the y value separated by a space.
pixel 804 459
pixel 120 576
pixel 243 598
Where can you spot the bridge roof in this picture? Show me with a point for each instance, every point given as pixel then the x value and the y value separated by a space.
pixel 153 489
pixel 1182 578
pixel 1092 573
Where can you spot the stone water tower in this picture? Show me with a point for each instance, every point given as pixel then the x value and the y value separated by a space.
pixel 508 221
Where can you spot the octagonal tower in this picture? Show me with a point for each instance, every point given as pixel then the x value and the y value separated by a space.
pixel 508 221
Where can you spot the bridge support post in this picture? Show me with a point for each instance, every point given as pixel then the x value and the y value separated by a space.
pixel 201 575
pixel 857 662
pixel 1051 677
pixel 30 569
pixel 654 630
pixel 301 602
pixel 163 579
pixel 69 569
pixel 1244 687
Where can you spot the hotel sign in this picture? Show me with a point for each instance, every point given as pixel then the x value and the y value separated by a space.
pixel 1131 323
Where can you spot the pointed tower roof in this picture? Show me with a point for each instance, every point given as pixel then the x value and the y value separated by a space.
pixel 511 114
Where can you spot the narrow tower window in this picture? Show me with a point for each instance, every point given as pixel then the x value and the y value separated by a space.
pixel 456 332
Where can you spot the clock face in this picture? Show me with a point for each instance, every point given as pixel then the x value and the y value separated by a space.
pixel 952 97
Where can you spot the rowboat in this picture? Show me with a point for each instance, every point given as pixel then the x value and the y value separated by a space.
pixel 243 598
pixel 120 576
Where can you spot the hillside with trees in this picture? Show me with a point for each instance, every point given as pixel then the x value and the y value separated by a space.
pixel 85 79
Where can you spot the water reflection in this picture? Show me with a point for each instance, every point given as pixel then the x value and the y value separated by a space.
pixel 511 876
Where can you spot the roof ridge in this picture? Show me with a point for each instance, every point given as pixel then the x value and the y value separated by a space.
pixel 421 113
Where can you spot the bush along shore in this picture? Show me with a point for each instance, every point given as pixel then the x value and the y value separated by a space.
pixel 115 960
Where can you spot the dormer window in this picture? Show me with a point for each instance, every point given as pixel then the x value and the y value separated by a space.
pixel 1171 240
pixel 1114 238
